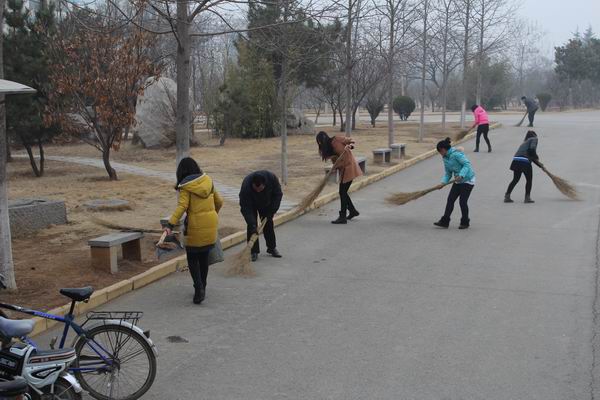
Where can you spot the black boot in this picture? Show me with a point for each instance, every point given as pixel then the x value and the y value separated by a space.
pixel 464 223
pixel 490 149
pixel 476 150
pixel 199 294
pixel 528 199
pixel 341 219
pixel 507 198
pixel 352 214
pixel 444 222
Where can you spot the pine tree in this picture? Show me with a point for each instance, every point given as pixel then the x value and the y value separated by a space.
pixel 26 62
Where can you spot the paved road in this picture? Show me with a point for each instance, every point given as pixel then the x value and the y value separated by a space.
pixel 388 307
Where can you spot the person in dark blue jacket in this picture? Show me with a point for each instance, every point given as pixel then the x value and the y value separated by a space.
pixel 532 107
pixel 261 195
pixel 458 168
pixel 521 165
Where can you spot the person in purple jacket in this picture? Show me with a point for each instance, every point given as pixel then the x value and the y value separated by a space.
pixel 482 123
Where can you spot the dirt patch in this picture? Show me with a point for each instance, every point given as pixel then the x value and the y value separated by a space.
pixel 59 256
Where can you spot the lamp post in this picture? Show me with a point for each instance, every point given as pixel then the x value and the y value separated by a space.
pixel 6 266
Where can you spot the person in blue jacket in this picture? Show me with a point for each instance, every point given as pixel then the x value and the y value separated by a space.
pixel 458 169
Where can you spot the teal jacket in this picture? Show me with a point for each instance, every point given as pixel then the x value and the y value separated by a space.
pixel 457 164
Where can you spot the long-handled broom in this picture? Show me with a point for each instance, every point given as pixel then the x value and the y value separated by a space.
pixel 402 198
pixel 522 119
pixel 124 228
pixel 240 262
pixel 310 198
pixel 564 186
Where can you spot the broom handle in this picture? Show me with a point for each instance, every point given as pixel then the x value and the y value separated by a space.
pixel 261 226
pixel 336 163
pixel 162 238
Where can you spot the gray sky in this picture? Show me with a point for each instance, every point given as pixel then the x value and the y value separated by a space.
pixel 560 18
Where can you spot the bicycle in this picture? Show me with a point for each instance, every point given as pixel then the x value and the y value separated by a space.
pixel 104 374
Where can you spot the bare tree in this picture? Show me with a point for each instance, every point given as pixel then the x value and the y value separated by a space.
pixel 524 52
pixel 467 6
pixel 447 48
pixel 493 19
pixel 424 44
pixel 395 22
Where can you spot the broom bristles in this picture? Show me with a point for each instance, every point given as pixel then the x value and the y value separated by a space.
pixel 402 198
pixel 240 262
pixel 461 135
pixel 522 119
pixel 564 186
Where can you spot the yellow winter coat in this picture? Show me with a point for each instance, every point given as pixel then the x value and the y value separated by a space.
pixel 201 202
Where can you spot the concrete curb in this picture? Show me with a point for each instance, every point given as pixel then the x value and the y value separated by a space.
pixel 159 271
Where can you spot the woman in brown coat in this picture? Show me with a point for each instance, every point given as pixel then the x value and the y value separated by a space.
pixel 332 148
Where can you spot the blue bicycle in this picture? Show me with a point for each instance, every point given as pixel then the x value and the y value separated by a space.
pixel 116 360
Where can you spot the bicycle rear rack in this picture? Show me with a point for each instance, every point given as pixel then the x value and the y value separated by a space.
pixel 129 316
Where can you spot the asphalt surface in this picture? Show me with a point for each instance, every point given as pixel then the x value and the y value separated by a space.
pixel 389 307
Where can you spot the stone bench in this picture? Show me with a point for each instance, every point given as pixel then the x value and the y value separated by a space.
pixel 362 163
pixel 382 155
pixel 104 249
pixel 398 150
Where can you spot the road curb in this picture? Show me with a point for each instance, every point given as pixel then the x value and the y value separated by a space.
pixel 159 271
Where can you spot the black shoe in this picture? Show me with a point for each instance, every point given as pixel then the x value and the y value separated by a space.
pixel 443 222
pixel 464 224
pixel 254 257
pixel 507 199
pixel 352 214
pixel 199 295
pixel 530 126
pixel 476 151
pixel 528 200
pixel 341 219
pixel 490 150
pixel 274 252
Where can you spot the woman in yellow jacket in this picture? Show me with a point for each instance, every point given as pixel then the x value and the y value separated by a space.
pixel 201 202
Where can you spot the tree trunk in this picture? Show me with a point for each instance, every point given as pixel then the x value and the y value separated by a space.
pixel 42 156
pixel 423 71
pixel 7 267
pixel 463 105
pixel 390 78
pixel 445 66
pixel 349 26
pixel 34 166
pixel 283 119
pixel 342 124
pixel 334 111
pixel 8 153
pixel 182 124
pixel 112 174
pixel 480 55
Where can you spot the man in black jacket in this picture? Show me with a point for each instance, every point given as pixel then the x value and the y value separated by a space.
pixel 532 107
pixel 261 194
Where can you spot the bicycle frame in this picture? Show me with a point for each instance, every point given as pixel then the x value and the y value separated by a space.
pixel 69 323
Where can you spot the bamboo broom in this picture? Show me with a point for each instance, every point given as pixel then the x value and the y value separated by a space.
pixel 124 228
pixel 310 198
pixel 240 262
pixel 402 198
pixel 461 135
pixel 522 119
pixel 564 186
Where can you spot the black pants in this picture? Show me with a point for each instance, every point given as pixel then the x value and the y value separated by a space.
pixel 345 201
pixel 528 172
pixel 531 116
pixel 198 266
pixel 462 190
pixel 483 129
pixel 268 232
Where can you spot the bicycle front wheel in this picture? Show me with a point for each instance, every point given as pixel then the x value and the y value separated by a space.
pixel 114 362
